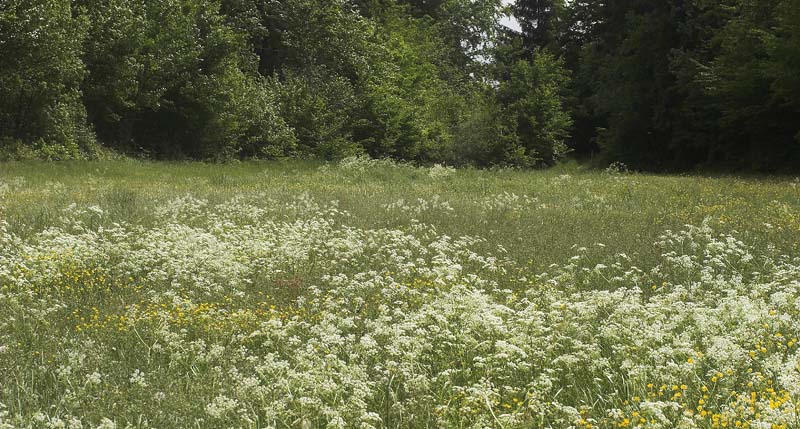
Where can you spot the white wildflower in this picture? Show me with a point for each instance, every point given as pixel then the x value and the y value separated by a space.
pixel 220 406
pixel 138 378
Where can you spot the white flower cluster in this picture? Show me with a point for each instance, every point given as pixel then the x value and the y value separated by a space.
pixel 507 201
pixel 14 185
pixel 439 171
pixel 420 206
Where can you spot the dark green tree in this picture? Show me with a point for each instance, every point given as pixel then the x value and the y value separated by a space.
pixel 753 80
pixel 541 24
pixel 532 107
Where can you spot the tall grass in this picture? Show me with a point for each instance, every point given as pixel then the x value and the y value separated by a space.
pixel 375 294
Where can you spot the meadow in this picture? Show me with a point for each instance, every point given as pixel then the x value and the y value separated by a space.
pixel 372 294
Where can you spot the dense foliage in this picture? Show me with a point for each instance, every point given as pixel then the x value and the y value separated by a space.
pixel 40 76
pixel 678 83
pixel 669 84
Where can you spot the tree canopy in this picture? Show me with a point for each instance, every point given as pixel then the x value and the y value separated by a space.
pixel 659 85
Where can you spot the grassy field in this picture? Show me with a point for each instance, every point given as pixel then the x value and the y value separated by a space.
pixel 370 294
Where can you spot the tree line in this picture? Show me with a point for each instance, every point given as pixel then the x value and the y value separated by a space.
pixel 660 85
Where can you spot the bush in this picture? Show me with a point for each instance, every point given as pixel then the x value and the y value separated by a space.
pixel 321 108
pixel 177 82
pixel 41 114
